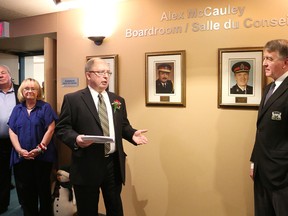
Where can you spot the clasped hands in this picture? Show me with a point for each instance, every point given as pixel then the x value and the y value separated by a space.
pixel 29 155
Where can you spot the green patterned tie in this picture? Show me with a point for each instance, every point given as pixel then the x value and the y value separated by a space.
pixel 104 120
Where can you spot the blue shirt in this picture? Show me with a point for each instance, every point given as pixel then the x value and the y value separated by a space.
pixel 30 129
pixel 7 103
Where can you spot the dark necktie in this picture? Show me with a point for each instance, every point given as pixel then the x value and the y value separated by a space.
pixel 104 120
pixel 270 92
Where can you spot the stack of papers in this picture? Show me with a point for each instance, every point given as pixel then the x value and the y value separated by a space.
pixel 98 139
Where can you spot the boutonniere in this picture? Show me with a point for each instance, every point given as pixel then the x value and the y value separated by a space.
pixel 116 105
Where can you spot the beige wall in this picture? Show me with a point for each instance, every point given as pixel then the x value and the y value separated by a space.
pixel 197 160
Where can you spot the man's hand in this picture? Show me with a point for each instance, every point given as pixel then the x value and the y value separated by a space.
pixel 83 143
pixel 139 138
pixel 251 174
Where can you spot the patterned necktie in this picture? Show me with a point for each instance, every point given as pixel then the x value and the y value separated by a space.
pixel 270 92
pixel 104 120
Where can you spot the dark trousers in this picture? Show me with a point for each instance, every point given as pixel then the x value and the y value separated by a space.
pixel 5 173
pixel 87 197
pixel 34 186
pixel 270 202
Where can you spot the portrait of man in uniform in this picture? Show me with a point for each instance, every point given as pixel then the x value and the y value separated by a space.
pixel 241 72
pixel 164 83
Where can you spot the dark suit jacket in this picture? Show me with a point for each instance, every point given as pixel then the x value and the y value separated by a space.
pixel 270 153
pixel 236 90
pixel 16 87
pixel 168 89
pixel 79 116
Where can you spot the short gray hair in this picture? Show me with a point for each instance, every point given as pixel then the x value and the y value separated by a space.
pixel 91 62
pixel 280 45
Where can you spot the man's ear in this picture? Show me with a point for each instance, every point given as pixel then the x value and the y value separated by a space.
pixel 285 61
pixel 88 75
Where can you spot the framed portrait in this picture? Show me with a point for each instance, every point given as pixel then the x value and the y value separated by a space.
pixel 112 61
pixel 165 78
pixel 240 79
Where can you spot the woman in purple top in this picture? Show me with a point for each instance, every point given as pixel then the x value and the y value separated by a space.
pixel 31 129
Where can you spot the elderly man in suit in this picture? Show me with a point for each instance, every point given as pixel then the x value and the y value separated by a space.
pixel 8 99
pixel 269 159
pixel 96 166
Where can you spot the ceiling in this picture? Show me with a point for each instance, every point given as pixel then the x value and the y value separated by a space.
pixel 17 9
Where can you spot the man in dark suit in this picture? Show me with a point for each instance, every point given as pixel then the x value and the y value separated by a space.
pixel 92 168
pixel 163 83
pixel 8 99
pixel 269 159
pixel 241 73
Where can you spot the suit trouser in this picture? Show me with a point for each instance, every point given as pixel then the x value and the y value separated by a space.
pixel 87 197
pixel 5 172
pixel 270 202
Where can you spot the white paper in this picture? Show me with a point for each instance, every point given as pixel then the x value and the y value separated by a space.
pixel 98 139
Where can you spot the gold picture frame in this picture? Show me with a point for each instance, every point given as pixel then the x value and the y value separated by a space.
pixel 236 92
pixel 175 72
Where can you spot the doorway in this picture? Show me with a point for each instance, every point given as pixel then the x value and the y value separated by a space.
pixel 32 56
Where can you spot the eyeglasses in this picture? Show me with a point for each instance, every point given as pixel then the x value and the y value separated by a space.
pixel 27 89
pixel 101 73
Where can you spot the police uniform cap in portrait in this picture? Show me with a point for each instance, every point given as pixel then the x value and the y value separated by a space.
pixel 166 68
pixel 240 67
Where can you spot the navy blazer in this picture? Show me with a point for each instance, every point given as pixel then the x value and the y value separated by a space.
pixel 270 153
pixel 79 116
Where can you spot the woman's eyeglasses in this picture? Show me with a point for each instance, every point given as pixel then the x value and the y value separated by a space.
pixel 27 89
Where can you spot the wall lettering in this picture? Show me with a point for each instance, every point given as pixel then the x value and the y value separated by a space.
pixel 187 23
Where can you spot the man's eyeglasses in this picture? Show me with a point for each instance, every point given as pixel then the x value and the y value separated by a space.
pixel 101 73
